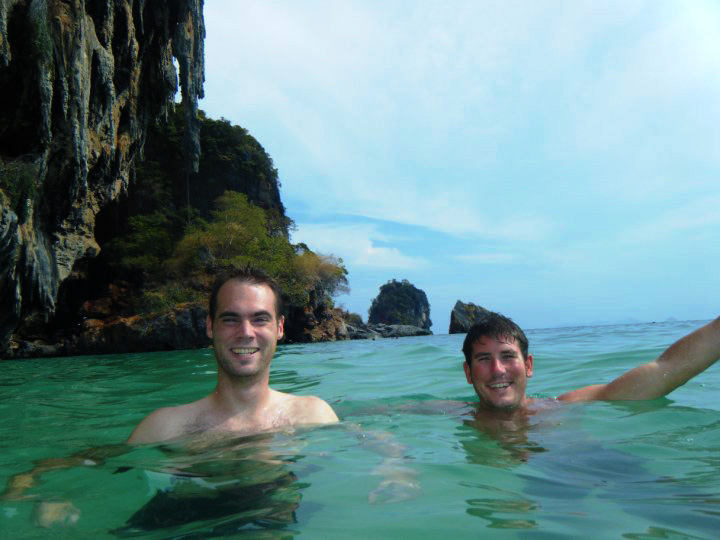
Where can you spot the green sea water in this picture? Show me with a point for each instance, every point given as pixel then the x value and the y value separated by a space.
pixel 636 470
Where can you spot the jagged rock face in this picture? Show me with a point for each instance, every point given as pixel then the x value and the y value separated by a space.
pixel 400 302
pixel 182 327
pixel 463 316
pixel 308 325
pixel 398 330
pixel 80 81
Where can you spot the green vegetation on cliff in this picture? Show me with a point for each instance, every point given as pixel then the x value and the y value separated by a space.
pixel 176 229
pixel 19 183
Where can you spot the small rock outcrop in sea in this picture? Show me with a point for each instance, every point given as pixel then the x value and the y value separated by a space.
pixel 80 82
pixel 361 331
pixel 400 303
pixel 376 331
pixel 463 316
pixel 399 330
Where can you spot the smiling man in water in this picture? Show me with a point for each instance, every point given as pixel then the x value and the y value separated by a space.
pixel 498 365
pixel 245 324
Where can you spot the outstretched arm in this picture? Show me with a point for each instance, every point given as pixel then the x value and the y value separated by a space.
pixel 55 512
pixel 19 483
pixel 678 364
pixel 399 480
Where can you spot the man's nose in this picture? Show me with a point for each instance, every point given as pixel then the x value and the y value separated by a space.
pixel 497 365
pixel 244 327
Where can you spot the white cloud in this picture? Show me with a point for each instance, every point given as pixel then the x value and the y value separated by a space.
pixel 659 245
pixel 357 244
pixel 436 206
pixel 564 131
pixel 488 258
pixel 651 82
pixel 695 216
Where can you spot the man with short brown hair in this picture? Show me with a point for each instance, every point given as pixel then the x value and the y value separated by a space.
pixel 245 324
pixel 498 364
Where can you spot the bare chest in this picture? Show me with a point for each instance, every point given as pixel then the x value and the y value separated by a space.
pixel 269 420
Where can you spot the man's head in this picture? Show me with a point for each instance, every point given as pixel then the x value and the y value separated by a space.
pixel 496 326
pixel 250 276
pixel 244 324
pixel 497 362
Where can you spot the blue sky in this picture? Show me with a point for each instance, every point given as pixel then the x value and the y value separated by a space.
pixel 555 161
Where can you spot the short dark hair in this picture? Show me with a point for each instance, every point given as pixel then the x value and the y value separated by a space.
pixel 249 276
pixel 495 326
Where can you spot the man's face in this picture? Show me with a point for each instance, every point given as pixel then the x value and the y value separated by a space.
pixel 498 373
pixel 245 330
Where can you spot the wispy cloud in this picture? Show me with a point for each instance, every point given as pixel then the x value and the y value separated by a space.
pixel 697 216
pixel 441 207
pixel 582 135
pixel 358 245
pixel 488 258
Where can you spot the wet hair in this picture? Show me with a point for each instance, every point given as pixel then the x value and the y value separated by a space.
pixel 495 326
pixel 248 276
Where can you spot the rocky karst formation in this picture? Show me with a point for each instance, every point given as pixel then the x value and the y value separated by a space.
pixel 400 303
pixel 310 324
pixel 463 316
pixel 80 81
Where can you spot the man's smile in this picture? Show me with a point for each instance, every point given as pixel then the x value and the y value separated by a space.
pixel 244 350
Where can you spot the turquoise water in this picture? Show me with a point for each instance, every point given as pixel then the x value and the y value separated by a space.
pixel 600 470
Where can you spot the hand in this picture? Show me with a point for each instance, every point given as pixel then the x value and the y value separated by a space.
pixel 394 490
pixel 399 483
pixel 49 514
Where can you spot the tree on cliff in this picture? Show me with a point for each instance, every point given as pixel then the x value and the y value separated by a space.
pixel 400 302
pixel 231 159
pixel 240 234
pixel 232 217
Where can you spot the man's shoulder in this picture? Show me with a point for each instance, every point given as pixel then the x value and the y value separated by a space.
pixel 167 423
pixel 307 409
pixel 541 404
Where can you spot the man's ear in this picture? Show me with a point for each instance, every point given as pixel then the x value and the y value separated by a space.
pixel 529 365
pixel 208 327
pixel 281 327
pixel 466 367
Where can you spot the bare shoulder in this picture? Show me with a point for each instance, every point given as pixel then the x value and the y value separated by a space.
pixel 166 423
pixel 308 409
pixel 588 393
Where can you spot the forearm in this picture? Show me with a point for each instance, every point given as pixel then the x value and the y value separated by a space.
pixel 399 480
pixel 682 361
pixel 695 352
pixel 19 483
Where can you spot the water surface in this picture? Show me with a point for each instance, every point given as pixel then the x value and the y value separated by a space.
pixel 601 470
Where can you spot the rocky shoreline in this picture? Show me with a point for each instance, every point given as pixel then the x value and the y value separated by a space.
pixel 182 327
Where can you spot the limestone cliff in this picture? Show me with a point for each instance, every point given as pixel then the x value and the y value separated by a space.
pixel 400 303
pixel 80 81
pixel 463 316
